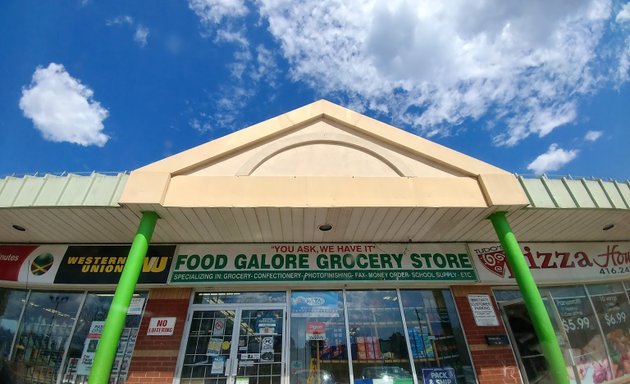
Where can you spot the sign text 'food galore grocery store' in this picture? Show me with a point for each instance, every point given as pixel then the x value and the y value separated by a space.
pixel 321 262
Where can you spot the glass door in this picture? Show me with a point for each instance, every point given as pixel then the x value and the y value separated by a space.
pixel 527 347
pixel 231 345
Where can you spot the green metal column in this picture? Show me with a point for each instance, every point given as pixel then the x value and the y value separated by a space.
pixel 531 297
pixel 115 322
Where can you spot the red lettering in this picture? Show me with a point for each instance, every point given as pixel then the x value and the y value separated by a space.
pixel 583 260
pixel 564 263
pixel 530 258
pixel 547 260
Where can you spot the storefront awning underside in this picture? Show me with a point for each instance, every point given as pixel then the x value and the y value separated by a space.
pixel 108 222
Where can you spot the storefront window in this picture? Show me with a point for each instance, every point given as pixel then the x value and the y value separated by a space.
pixel 613 311
pixel 43 334
pixel 11 305
pixel 318 338
pixel 87 334
pixel 586 345
pixel 434 333
pixel 377 337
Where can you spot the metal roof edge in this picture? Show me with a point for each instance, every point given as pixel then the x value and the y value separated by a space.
pixel 97 189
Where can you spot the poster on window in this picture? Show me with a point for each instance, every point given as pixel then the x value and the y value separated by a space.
pixel 314 304
pixel 315 331
pixel 586 343
pixel 613 311
pixel 214 346
pixel 89 348
pixel 266 325
pixel 266 349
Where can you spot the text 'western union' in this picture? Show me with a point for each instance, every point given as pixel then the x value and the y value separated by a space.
pixel 97 264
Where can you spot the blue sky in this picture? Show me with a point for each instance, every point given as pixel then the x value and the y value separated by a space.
pixel 532 87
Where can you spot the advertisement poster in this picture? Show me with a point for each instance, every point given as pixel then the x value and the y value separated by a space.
pixel 315 331
pixel 214 346
pixel 238 263
pixel 136 305
pixel 89 348
pixel 587 346
pixel 124 351
pixel 218 365
pixel 266 325
pixel 613 312
pixel 314 304
pixel 555 262
pixel 104 264
pixel 30 264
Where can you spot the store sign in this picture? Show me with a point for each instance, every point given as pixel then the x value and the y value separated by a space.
pixel 30 264
pixel 439 376
pixel 321 263
pixel 161 326
pixel 555 262
pixel 104 264
pixel 483 310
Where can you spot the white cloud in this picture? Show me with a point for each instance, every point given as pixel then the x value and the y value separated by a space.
pixel 141 35
pixel 552 160
pixel 62 108
pixel 624 14
pixel 250 68
pixel 141 32
pixel 214 11
pixel 593 135
pixel 434 65
pixel 124 19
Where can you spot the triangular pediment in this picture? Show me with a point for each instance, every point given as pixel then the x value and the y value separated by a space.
pixel 321 143
pixel 322 139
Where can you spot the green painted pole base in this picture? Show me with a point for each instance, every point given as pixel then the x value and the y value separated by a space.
pixel 115 322
pixel 531 297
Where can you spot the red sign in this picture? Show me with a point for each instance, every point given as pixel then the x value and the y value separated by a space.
pixel 11 259
pixel 315 331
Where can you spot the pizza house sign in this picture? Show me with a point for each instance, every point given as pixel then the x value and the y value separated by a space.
pixel 555 262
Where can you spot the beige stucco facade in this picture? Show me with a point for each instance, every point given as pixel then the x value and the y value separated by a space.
pixel 322 155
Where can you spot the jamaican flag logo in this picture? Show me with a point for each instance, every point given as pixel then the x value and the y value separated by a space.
pixel 42 264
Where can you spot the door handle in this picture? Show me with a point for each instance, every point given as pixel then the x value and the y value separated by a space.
pixel 235 367
pixel 228 366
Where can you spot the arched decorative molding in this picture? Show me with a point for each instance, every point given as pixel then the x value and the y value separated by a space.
pixel 296 141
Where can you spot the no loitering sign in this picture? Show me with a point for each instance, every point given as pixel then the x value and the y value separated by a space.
pixel 161 326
